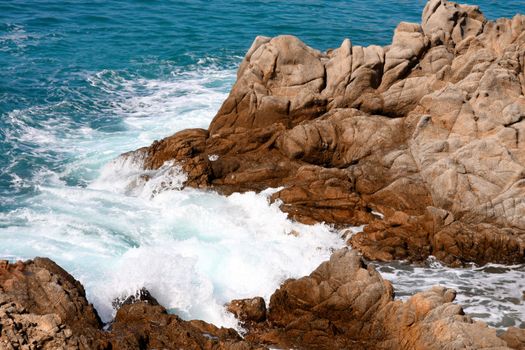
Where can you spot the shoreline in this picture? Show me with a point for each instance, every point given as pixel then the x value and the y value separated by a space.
pixel 42 305
pixel 426 131
pixel 419 142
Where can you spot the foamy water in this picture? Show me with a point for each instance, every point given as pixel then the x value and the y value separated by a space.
pixel 193 250
pixel 492 293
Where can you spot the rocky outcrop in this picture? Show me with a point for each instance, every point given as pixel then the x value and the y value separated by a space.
pixel 343 304
pixel 143 325
pixel 428 131
pixel 43 307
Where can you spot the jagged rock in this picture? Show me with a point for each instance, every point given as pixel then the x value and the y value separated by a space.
pixel 434 122
pixel 345 304
pixel 342 304
pixel 43 307
pixel 141 325
pixel 280 80
pixel 248 310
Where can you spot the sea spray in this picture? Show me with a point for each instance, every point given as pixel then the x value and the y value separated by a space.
pixel 204 249
pixel 193 250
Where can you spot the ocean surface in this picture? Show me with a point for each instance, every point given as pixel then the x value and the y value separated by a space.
pixel 83 81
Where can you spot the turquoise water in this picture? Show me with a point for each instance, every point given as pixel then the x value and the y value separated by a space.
pixel 83 81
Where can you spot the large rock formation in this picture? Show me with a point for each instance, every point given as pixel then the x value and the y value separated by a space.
pixel 429 131
pixel 343 304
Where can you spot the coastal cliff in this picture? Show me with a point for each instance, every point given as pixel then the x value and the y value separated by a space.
pixel 428 131
pixel 421 141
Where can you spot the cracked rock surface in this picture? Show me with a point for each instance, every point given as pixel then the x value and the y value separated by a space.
pixel 429 131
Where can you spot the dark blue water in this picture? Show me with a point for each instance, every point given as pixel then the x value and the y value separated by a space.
pixel 83 81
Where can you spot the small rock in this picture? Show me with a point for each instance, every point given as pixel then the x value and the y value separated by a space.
pixel 140 295
pixel 247 310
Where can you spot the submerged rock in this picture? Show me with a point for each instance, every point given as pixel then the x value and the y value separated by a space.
pixel 428 131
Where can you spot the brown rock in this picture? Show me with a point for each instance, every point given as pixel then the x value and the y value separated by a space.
pixel 515 338
pixel 430 125
pixel 142 325
pixel 42 305
pixel 248 310
pixel 342 304
pixel 346 304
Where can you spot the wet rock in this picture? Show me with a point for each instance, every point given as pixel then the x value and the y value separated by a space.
pixel 431 124
pixel 141 295
pixel 141 325
pixel 342 304
pixel 248 310
pixel 43 307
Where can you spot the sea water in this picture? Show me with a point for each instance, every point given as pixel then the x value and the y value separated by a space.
pixel 83 81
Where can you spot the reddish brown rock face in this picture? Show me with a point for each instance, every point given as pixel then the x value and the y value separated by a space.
pixel 431 126
pixel 248 310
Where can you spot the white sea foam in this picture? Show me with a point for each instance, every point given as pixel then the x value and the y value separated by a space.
pixel 193 250
pixel 126 174
pixel 155 108
pixel 204 249
pixel 214 252
pixel 492 293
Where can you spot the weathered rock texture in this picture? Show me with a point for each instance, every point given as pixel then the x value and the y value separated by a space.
pixel 343 304
pixel 43 307
pixel 429 130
